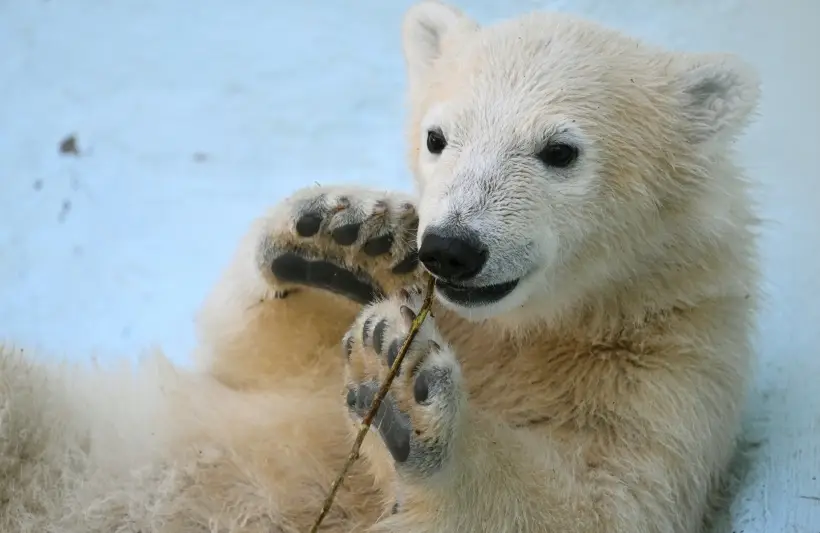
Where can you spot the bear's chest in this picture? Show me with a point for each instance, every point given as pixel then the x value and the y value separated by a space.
pixel 550 380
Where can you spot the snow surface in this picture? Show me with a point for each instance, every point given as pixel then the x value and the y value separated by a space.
pixel 193 117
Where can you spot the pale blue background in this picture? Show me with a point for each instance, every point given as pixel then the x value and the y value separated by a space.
pixel 113 251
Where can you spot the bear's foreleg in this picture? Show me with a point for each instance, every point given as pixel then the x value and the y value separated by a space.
pixel 298 278
pixel 456 469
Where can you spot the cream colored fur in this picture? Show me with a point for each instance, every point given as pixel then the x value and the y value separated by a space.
pixel 603 396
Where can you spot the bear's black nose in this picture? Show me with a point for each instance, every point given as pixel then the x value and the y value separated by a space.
pixel 450 255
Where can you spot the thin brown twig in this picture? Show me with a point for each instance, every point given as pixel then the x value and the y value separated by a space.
pixel 377 401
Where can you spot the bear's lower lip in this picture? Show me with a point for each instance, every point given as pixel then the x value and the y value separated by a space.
pixel 475 296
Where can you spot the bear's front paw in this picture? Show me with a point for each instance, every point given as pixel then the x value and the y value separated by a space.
pixel 356 242
pixel 419 416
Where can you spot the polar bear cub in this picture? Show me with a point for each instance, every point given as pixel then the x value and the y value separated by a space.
pixel 588 356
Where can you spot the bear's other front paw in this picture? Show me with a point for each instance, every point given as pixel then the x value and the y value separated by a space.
pixel 419 415
pixel 356 242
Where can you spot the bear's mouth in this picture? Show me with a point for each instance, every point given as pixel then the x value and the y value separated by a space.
pixel 475 296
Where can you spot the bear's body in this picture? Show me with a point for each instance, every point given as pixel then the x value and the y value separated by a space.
pixel 585 366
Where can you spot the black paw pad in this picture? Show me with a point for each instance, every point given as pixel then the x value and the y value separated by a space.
pixel 407 265
pixel 308 224
pixel 347 346
pixel 421 387
pixel 346 235
pixel 393 351
pixel 378 245
pixel 392 424
pixel 293 268
pixel 378 335
pixel 366 326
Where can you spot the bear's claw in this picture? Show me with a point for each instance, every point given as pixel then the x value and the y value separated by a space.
pixel 354 242
pixel 393 425
pixel 293 267
pixel 417 418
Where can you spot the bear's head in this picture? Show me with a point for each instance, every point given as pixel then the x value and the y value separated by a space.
pixel 555 157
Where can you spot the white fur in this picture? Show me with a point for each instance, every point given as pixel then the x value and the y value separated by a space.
pixel 553 77
pixel 632 321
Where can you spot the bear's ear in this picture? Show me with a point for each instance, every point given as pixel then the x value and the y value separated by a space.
pixel 425 29
pixel 719 94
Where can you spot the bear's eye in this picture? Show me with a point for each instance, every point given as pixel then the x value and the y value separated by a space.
pixel 436 143
pixel 558 155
